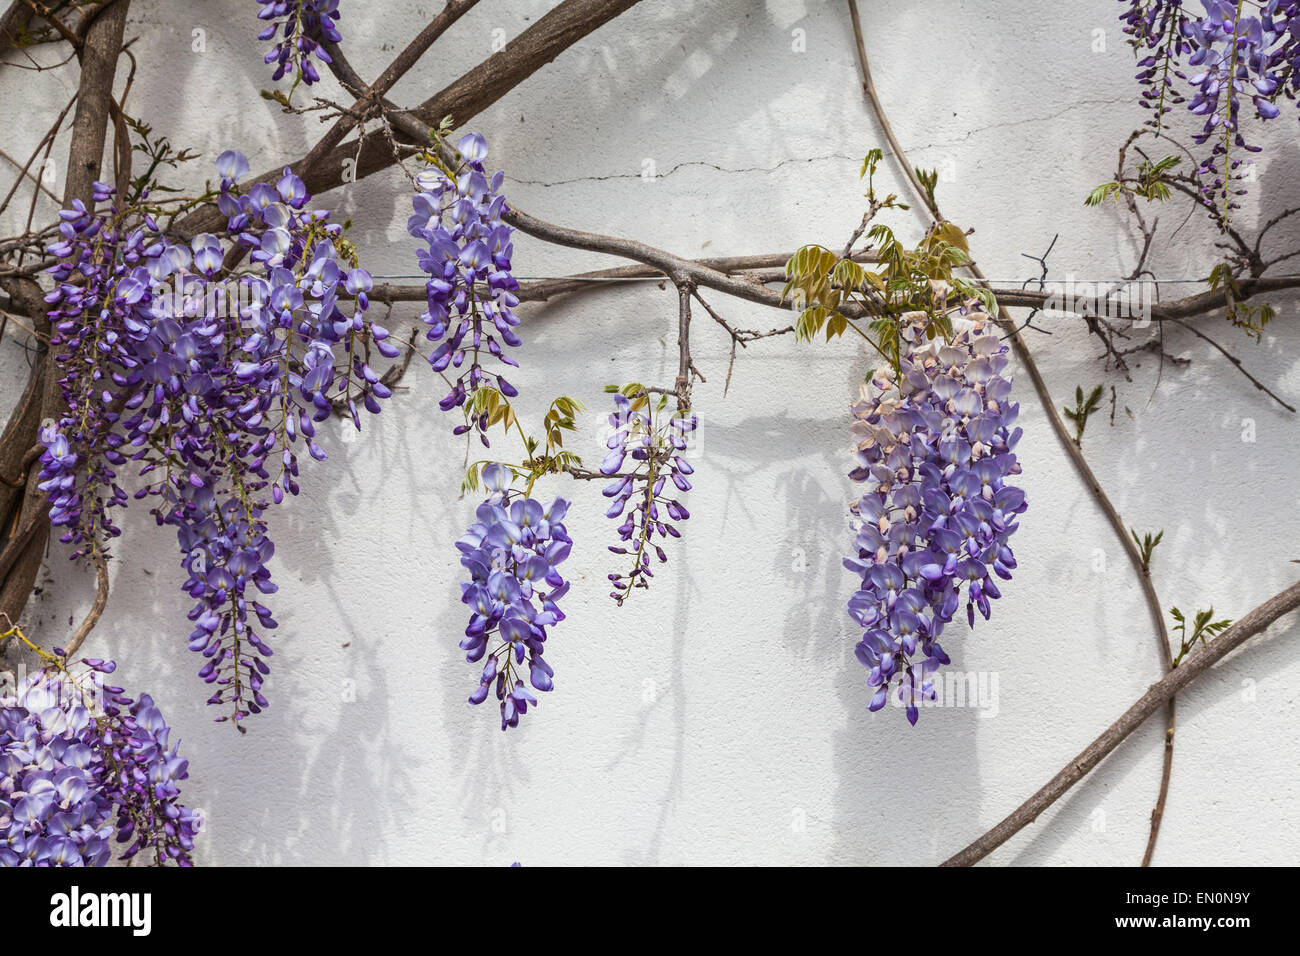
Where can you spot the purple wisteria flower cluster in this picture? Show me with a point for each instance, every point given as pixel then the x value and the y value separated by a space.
pixel 1155 27
pixel 208 384
pixel 1229 52
pixel 471 290
pixel 512 552
pixel 301 26
pixel 655 442
pixel 937 447
pixel 80 765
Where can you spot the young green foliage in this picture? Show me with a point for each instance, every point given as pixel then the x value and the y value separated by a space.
pixel 929 179
pixel 1082 409
pixel 1251 319
pixel 158 152
pixel 1204 627
pixel 1146 545
pixel 826 286
pixel 541 459
pixel 1151 184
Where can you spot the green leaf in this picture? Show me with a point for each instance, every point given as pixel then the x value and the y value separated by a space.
pixel 953 235
pixel 1102 193
pixel 873 158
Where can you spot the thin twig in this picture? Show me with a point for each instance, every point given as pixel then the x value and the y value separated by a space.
pixel 1235 361
pixel 63 29
pixel 685 366
pixel 741 337
pixel 25 173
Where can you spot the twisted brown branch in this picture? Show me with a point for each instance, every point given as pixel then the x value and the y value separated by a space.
pixel 96 608
pixel 1179 677
pixel 561 28
pixel 370 97
pixel 100 51
pixel 759 268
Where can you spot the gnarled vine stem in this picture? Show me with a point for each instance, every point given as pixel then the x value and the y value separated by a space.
pixel 1074 452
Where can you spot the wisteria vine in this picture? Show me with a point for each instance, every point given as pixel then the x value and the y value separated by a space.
pixel 936 445
pixel 655 440
pixel 204 381
pixel 301 26
pixel 195 382
pixel 1231 51
pixel 470 291
pixel 83 766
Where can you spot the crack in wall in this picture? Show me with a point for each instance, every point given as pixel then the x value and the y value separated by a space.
pixel 705 164
pixel 685 164
pixel 1024 122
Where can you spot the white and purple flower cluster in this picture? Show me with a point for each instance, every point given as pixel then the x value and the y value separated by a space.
pixel 512 551
pixel 471 298
pixel 656 450
pixel 71 777
pixel 302 25
pixel 204 382
pixel 937 447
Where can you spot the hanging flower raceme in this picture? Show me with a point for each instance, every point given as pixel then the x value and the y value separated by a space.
pixel 209 385
pixel 1155 28
pixel 302 25
pixel 512 552
pixel 654 440
pixel 471 291
pixel 80 763
pixel 101 280
pixel 1230 62
pixel 937 447
pixel 1222 57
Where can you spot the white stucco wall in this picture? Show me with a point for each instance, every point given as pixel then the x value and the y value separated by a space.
pixel 721 718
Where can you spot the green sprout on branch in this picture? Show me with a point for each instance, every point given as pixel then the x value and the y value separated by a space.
pixel 1151 184
pixel 1251 319
pixel 541 459
pixel 1083 408
pixel 1146 545
pixel 1204 627
pixel 835 293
